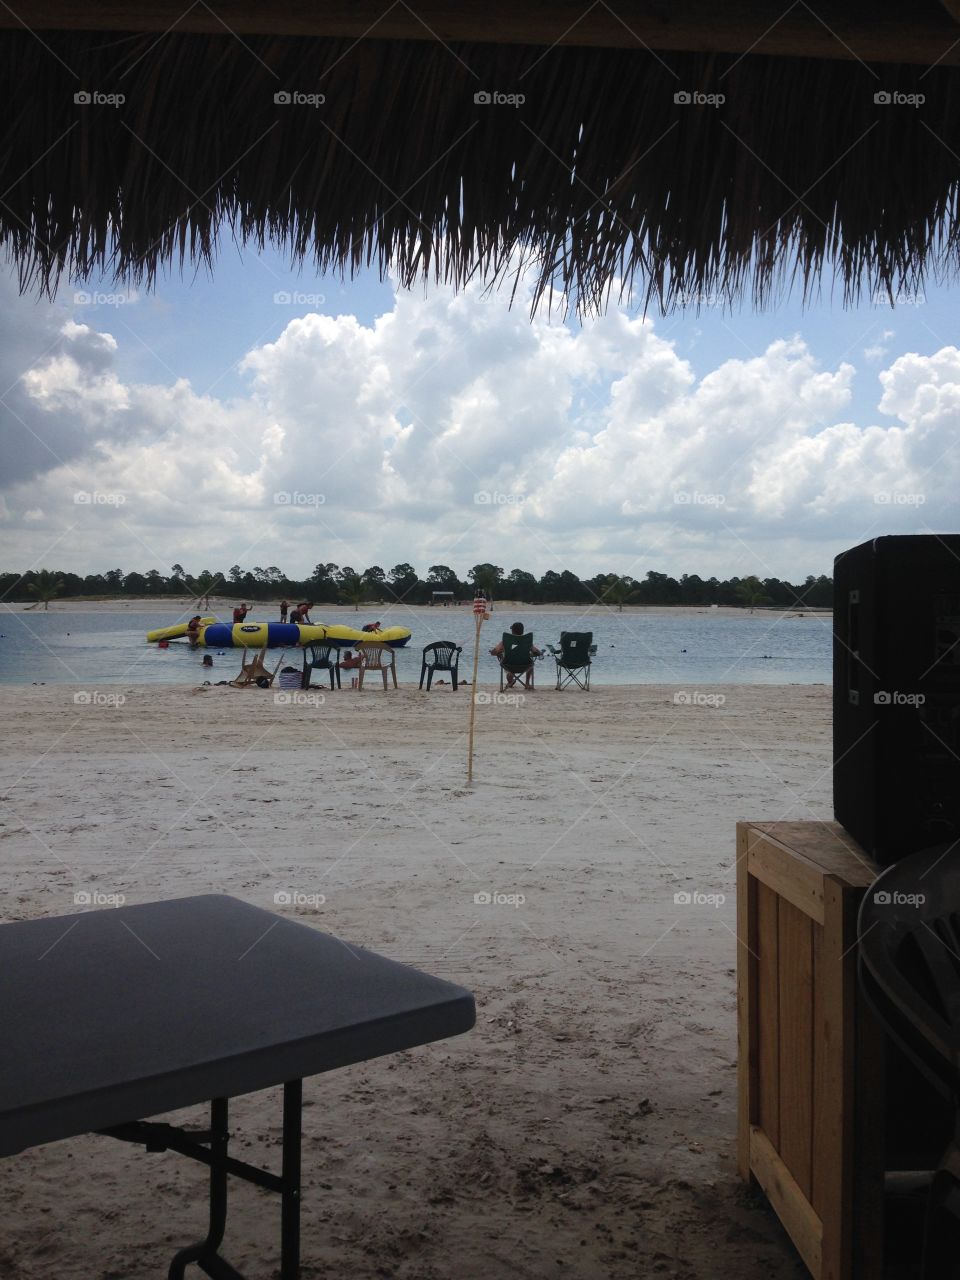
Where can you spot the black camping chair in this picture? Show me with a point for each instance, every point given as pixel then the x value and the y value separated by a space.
pixel 573 658
pixel 517 660
pixel 320 657
pixel 444 655
pixel 909 932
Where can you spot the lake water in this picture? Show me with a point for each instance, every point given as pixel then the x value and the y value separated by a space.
pixel 632 648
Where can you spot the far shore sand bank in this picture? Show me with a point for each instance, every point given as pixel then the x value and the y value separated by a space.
pixel 175 606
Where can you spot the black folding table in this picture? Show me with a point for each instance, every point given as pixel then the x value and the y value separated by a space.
pixel 111 1016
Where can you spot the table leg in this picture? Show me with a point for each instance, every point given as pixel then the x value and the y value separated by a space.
pixel 205 1252
pixel 210 1148
pixel 290 1203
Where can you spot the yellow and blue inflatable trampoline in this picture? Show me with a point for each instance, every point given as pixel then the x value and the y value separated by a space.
pixel 280 635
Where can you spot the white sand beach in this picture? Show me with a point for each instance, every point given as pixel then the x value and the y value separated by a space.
pixel 585 1128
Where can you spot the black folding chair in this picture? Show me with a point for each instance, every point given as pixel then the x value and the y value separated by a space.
pixel 443 655
pixel 909 960
pixel 517 660
pixel 320 656
pixel 574 658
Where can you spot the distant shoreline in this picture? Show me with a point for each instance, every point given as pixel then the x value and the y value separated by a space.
pixel 175 606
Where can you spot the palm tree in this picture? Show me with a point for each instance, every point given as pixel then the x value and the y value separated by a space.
pixel 354 591
pixel 45 586
pixel 617 591
pixel 203 586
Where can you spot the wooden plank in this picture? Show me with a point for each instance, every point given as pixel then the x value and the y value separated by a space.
pixel 795 931
pixel 825 845
pixel 788 1200
pixel 747 958
pixel 824 1100
pixel 791 877
pixel 767 1028
pixel 834 1089
pixel 886 31
pixel 868 1148
pixel 867 1082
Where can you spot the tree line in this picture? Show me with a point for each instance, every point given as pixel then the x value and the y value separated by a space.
pixel 343 584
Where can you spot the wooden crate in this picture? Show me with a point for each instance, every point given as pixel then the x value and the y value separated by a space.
pixel 811 1059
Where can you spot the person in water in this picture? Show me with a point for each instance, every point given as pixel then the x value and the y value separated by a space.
pixel 193 630
pixel 295 615
pixel 304 608
pixel 207 660
pixel 240 613
pixel 351 661
pixel 283 610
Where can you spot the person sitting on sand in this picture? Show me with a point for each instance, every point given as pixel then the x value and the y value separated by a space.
pixel 351 661
pixel 512 676
pixel 193 630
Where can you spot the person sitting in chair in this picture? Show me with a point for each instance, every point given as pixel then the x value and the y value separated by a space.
pixel 512 676
pixel 351 661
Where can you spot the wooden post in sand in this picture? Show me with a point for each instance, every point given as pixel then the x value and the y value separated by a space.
pixel 479 615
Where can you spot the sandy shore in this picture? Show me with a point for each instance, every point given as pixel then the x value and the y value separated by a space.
pixel 585 1128
pixel 269 610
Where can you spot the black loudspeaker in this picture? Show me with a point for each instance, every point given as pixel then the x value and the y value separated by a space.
pixel 896 693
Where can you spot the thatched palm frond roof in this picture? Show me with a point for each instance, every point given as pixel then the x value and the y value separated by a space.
pixel 692 174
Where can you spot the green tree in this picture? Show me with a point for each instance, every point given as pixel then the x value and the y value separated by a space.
pixel 403 580
pixel 353 589
pixel 45 586
pixel 520 585
pixel 443 578
pixel 618 591
pixel 570 587
pixel 751 593
pixel 322 583
pixel 203 586
pixel 486 577
pixel 375 580
pixel 548 588
pixel 658 588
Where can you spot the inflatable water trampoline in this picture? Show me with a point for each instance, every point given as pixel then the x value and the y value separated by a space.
pixel 176 631
pixel 280 635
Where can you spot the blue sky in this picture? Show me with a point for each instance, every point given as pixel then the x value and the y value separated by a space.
pixel 199 326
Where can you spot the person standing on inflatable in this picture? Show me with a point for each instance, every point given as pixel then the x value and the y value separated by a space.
pixel 240 613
